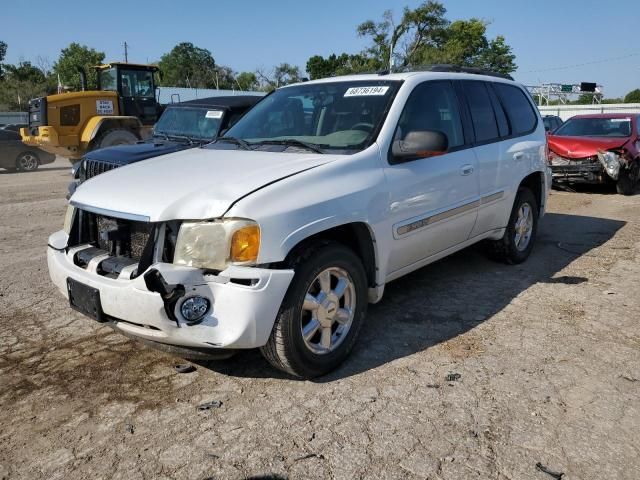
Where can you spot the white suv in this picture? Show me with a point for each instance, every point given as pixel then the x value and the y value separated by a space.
pixel 278 235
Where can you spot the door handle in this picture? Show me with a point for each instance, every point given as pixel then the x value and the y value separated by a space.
pixel 466 170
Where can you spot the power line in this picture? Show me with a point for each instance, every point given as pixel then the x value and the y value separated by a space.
pixel 594 62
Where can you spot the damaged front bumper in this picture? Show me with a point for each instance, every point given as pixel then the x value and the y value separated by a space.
pixel 244 301
pixel 596 169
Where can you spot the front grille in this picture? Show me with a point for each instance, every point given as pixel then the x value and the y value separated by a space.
pixel 122 238
pixel 96 167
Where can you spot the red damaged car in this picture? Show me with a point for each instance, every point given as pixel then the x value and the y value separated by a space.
pixel 597 149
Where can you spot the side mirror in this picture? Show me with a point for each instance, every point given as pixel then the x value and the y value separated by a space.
pixel 419 144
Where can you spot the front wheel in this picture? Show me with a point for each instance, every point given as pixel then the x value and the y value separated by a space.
pixel 114 137
pixel 628 179
pixel 27 162
pixel 321 314
pixel 517 242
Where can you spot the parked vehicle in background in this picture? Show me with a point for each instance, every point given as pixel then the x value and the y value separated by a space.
pixel 551 122
pixel 182 125
pixel 120 111
pixel 280 233
pixel 601 148
pixel 15 155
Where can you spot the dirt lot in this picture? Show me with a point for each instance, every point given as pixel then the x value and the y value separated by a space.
pixel 548 355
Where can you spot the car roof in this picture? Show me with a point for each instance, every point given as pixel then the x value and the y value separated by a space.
pixel 224 103
pixel 606 115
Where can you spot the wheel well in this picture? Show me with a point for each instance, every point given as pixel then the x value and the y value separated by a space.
pixel 534 183
pixel 132 125
pixel 355 236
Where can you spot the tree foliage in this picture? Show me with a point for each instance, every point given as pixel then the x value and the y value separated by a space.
pixel 188 66
pixel 247 81
pixel 422 36
pixel 633 96
pixel 3 52
pixel 280 75
pixel 74 57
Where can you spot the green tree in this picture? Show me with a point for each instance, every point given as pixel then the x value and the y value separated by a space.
pixel 633 96
pixel 224 78
pixel 188 66
pixel 3 52
pixel 247 81
pixel 22 82
pixel 281 75
pixel 425 36
pixel 72 59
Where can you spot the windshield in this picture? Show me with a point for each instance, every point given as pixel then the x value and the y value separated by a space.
pixel 195 123
pixel 343 117
pixel 108 79
pixel 595 127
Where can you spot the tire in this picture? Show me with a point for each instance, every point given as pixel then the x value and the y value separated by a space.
pixel 286 348
pixel 116 136
pixel 626 184
pixel 512 248
pixel 27 162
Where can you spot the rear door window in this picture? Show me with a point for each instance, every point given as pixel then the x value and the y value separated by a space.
pixel 519 110
pixel 482 114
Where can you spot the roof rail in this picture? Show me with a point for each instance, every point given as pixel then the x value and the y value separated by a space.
pixel 445 67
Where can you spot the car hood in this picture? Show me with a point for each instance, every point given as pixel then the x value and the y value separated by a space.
pixel 192 184
pixel 126 154
pixel 581 147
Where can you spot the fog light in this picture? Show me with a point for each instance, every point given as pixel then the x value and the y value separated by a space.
pixel 194 308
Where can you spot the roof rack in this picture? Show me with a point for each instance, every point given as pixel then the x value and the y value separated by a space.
pixel 445 67
pixel 437 67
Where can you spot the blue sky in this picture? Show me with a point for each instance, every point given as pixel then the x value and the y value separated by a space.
pixel 246 34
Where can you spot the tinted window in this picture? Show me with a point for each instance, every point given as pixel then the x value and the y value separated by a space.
pixel 137 83
pixel 503 124
pixel 519 110
pixel 638 125
pixel 432 106
pixel 482 116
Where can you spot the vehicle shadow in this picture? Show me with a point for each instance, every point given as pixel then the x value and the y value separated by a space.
pixel 451 297
pixel 41 169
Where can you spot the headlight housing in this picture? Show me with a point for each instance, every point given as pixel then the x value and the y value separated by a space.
pixel 217 244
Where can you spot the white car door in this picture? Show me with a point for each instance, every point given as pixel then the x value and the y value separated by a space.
pixel 433 200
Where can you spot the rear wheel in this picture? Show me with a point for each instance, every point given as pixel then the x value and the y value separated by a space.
pixel 117 136
pixel 27 162
pixel 517 242
pixel 321 314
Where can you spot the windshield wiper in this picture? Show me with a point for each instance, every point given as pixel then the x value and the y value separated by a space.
pixel 237 141
pixel 293 142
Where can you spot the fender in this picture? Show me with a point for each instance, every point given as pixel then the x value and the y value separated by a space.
pixel 92 127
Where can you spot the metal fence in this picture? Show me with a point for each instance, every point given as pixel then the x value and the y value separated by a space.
pixel 567 111
pixel 167 95
pixel 13 117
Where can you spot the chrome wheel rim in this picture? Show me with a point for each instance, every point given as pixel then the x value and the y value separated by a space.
pixel 523 227
pixel 328 310
pixel 28 161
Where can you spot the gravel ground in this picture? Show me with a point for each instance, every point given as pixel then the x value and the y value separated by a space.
pixel 548 357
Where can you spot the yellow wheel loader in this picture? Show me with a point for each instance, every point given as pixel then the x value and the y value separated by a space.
pixel 122 110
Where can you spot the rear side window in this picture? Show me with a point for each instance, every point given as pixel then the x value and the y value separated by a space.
pixel 518 108
pixel 501 118
pixel 482 114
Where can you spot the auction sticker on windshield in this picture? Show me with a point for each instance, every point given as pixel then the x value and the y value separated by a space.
pixel 214 114
pixel 362 91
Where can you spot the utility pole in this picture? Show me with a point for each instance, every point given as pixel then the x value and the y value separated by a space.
pixel 126 53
